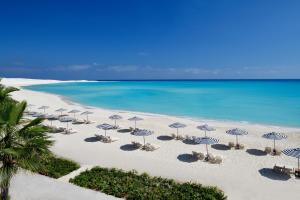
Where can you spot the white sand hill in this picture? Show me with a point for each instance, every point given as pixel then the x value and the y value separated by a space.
pixel 244 174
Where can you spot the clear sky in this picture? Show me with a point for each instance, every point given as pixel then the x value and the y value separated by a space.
pixel 153 39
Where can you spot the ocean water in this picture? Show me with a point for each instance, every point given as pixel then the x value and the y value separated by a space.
pixel 275 102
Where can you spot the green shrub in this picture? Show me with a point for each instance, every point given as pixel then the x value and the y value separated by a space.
pixel 56 167
pixel 133 186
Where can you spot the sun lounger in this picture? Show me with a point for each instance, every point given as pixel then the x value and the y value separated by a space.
pixel 283 169
pixel 69 131
pixel 54 129
pixel 137 144
pixel 177 137
pixel 150 147
pixel 276 152
pixel 198 155
pixel 78 121
pixel 268 150
pixel 106 139
pixel 215 160
pixel 239 146
pixel 231 144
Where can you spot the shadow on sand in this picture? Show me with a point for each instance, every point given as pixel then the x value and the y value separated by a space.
pixel 269 173
pixel 256 152
pixel 189 158
pixel 124 130
pixel 128 147
pixel 91 139
pixel 164 137
pixel 221 147
pixel 192 142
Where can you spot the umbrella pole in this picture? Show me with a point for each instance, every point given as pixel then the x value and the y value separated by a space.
pixel 237 141
pixel 105 132
pixel 115 122
pixel 274 144
pixel 177 132
pixel 67 125
pixel 51 122
pixel 205 133
pixel 87 117
pixel 144 140
pixel 298 163
pixel 134 124
pixel 206 150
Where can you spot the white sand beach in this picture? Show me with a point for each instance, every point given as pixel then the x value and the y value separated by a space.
pixel 243 175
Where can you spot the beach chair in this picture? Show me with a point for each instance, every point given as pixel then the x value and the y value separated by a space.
pixel 78 121
pixel 150 147
pixel 198 155
pixel 268 150
pixel 276 152
pixel 283 169
pixel 137 145
pixel 113 139
pixel 231 145
pixel 69 131
pixel 239 146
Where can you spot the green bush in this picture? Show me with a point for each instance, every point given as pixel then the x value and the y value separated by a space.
pixel 56 167
pixel 133 186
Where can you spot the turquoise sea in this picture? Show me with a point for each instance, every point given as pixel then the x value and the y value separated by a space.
pixel 274 102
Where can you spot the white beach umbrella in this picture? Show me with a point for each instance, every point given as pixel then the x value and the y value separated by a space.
pixel 115 118
pixel 206 128
pixel 142 132
pixel 237 132
pixel 87 113
pixel 274 136
pixel 206 140
pixel 66 119
pixel 105 127
pixel 293 153
pixel 177 125
pixel 135 119
pixel 61 110
pixel 43 108
pixel 74 112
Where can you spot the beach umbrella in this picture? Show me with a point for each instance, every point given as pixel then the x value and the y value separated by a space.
pixel 74 112
pixel 135 119
pixel 205 128
pixel 142 132
pixel 43 108
pixel 61 110
pixel 115 117
pixel 87 113
pixel 177 125
pixel 29 106
pixel 237 132
pixel 105 127
pixel 66 119
pixel 206 140
pixel 274 136
pixel 293 153
pixel 51 118
pixel 41 115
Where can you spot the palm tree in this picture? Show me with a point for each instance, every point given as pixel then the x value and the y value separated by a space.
pixel 21 145
pixel 5 92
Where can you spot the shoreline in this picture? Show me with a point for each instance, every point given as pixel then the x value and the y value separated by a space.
pixel 169 160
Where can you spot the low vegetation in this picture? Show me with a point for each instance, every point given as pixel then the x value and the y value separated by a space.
pixel 56 167
pixel 132 186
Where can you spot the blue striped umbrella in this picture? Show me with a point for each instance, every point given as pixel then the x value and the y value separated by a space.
pixel 205 128
pixel 274 136
pixel 206 140
pixel 177 125
pixel 142 132
pixel 237 132
pixel 105 127
pixel 115 117
pixel 135 119
pixel 293 153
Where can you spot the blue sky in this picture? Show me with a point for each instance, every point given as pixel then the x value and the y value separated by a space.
pixel 154 39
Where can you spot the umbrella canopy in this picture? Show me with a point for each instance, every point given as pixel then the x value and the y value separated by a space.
pixel 274 136
pixel 207 141
pixel 74 112
pixel 177 125
pixel 42 115
pixel 115 118
pixel 105 127
pixel 142 132
pixel 43 108
pixel 293 153
pixel 205 128
pixel 51 118
pixel 61 110
pixel 66 119
pixel 135 119
pixel 87 113
pixel 237 132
